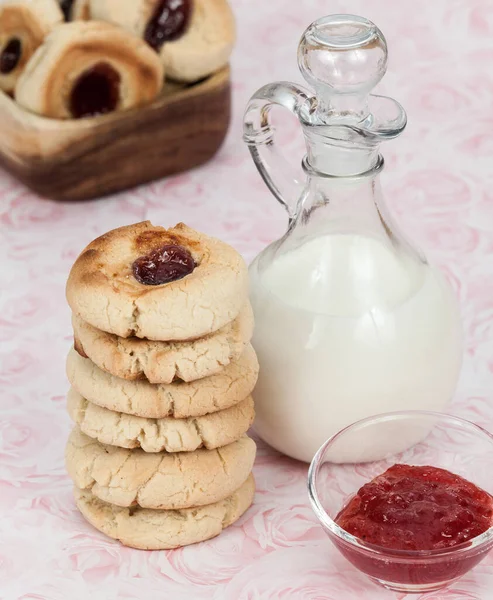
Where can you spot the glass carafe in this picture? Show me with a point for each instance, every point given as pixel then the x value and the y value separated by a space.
pixel 351 320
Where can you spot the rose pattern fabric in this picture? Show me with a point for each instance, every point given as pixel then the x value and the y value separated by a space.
pixel 438 183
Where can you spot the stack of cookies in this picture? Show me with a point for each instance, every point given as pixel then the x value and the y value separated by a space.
pixel 161 372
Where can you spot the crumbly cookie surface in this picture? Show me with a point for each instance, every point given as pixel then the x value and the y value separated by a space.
pixel 148 529
pixel 162 362
pixel 161 435
pixel 104 292
pixel 179 399
pixel 158 481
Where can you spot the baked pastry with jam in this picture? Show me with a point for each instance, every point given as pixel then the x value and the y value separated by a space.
pixel 88 68
pixel 76 10
pixel 23 26
pixel 193 37
pixel 160 284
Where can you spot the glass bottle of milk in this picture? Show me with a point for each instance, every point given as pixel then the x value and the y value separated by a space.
pixel 351 320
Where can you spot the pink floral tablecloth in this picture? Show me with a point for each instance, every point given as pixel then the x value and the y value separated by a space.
pixel 439 183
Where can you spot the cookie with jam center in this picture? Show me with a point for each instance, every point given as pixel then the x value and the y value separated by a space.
pixel 161 284
pixel 24 25
pixel 193 37
pixel 87 68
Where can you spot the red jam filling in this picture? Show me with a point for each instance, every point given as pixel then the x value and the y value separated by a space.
pixel 168 23
pixel 96 92
pixel 10 56
pixel 417 508
pixel 164 265
pixel 66 6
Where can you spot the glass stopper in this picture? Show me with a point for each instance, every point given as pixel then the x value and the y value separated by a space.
pixel 343 57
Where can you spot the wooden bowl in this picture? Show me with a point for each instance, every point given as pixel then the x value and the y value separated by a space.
pixel 89 158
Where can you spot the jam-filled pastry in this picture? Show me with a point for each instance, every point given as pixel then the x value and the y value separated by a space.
pixel 87 68
pixel 76 10
pixel 193 37
pixel 23 26
pixel 161 284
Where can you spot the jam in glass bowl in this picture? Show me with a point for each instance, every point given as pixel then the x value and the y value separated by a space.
pixel 415 489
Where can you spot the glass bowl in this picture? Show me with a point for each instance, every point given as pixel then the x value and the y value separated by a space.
pixel 369 447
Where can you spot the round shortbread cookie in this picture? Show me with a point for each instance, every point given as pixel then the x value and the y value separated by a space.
pixel 158 435
pixel 180 400
pixel 103 290
pixel 87 68
pixel 159 481
pixel 147 529
pixel 162 362
pixel 193 44
pixel 24 24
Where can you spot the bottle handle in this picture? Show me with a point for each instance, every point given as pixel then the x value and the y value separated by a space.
pixel 258 133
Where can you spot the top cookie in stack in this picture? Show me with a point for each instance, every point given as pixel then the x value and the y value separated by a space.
pixel 161 366
pixel 118 283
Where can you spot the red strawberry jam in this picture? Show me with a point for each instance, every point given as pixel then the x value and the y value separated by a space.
pixel 66 6
pixel 164 265
pixel 10 56
pixel 96 92
pixel 169 22
pixel 417 508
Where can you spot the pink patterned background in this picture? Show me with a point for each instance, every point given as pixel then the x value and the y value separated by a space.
pixel 439 183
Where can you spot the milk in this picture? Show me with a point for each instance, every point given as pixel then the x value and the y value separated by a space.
pixel 347 327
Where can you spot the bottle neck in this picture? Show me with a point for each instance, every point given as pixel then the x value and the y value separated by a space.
pixel 334 151
pixel 345 205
